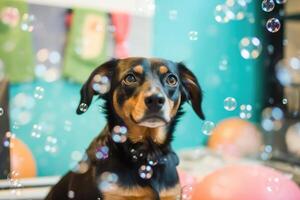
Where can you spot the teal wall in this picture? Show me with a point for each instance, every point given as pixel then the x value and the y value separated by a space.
pixel 242 80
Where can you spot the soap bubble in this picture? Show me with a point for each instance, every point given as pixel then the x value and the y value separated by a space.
pixel 284 101
pixel 266 152
pixel 250 47
pixel 39 92
pixel 281 1
pixel 230 103
pixel 54 57
pixel 71 194
pixel 83 107
pixel 82 167
pixel 288 71
pixel 51 145
pixel 272 119
pixel 223 64
pixel 236 9
pixel 207 127
pixel 119 134
pixel 268 5
pixel 221 14
pixel 76 155
pixel 101 84
pixel 245 111
pixel 193 35
pixel 273 25
pixel 145 171
pixel 27 22
pixel 36 131
pixel 42 55
pixel 1 111
pixel 10 16
pixel 108 181
pixel 102 152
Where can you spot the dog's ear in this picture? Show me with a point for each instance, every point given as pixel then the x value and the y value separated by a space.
pixel 190 89
pixel 88 91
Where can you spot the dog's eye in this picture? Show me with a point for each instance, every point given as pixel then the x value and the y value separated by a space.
pixel 171 80
pixel 129 79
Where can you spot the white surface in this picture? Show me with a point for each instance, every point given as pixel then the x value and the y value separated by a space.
pixel 135 7
pixel 24 193
pixel 31 182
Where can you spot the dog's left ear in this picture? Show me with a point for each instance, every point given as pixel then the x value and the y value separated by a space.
pixel 190 89
pixel 87 91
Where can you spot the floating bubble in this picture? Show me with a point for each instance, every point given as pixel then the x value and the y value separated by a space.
pixel 10 16
pixel 119 134
pixel 281 1
pixel 221 15
pixel 193 35
pixel 83 107
pixel 173 14
pixel 268 5
pixel 1 111
pixel 284 101
pixel 273 25
pixel 207 127
pixel 81 168
pixel 102 152
pixel 101 84
pixel 52 74
pixel 288 71
pixel 36 131
pixel 108 181
pixel 39 92
pixel 54 57
pixel 272 119
pixel 6 140
pixel 71 194
pixel 230 103
pixel 223 64
pixel 250 47
pixel 145 171
pixel 245 111
pixel 42 55
pixel 236 9
pixel 27 22
pixel 186 193
pixel 40 70
pixel 76 155
pixel 51 144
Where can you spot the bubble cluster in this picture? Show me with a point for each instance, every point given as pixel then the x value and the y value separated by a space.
pixel 288 71
pixel 231 10
pixel 230 103
pixel 27 22
pixel 245 111
pixel 42 55
pixel 250 47
pixel 266 152
pixel 39 92
pixel 207 127
pixel 83 107
pixel 273 25
pixel 272 119
pixel 51 144
pixel 7 139
pixel 102 152
pixel 145 171
pixel 108 181
pixel 221 14
pixel 36 131
pixel 119 134
pixel 193 35
pixel 1 111
pixel 268 5
pixel 101 84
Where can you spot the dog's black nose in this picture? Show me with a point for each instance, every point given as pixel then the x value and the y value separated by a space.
pixel 155 102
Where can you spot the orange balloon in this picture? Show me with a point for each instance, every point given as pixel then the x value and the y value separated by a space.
pixel 22 162
pixel 235 137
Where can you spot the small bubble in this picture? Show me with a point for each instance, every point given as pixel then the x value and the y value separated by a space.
pixel 27 22
pixel 39 92
pixel 268 5
pixel 81 168
pixel 193 35
pixel 145 171
pixel 42 55
pixel 230 104
pixel 83 107
pixel 223 64
pixel 107 181
pixel 1 111
pixel 273 25
pixel 250 47
pixel 102 152
pixel 101 84
pixel 36 131
pixel 76 156
pixel 54 57
pixel 119 134
pixel 245 111
pixel 71 194
pixel 207 127
pixel 221 14
pixel 51 145
pixel 281 1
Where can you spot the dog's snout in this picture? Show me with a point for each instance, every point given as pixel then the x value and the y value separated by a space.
pixel 155 102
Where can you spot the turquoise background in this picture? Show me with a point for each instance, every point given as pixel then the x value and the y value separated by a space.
pixel 242 80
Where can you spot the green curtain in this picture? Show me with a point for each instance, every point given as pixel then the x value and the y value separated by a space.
pixel 16 52
pixel 86 47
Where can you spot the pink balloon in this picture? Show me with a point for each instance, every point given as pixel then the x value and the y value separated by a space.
pixel 246 182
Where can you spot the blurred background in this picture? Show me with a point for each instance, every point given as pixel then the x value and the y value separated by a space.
pixel 245 54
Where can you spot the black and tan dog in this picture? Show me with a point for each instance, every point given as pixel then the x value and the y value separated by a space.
pixel 145 96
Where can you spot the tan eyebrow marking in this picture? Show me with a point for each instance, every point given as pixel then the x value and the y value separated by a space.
pixel 163 69
pixel 138 69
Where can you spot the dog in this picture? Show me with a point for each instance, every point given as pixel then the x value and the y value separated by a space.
pixel 132 157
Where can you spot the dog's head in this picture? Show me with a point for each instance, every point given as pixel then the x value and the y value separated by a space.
pixel 144 93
